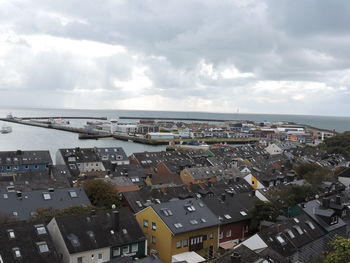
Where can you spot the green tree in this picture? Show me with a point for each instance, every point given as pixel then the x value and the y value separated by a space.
pixel 340 251
pixel 101 194
pixel 46 214
pixel 339 143
pixel 262 211
pixel 313 173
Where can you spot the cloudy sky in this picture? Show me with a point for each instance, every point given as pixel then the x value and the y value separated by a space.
pixel 273 56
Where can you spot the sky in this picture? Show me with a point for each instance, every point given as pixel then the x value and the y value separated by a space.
pixel 251 56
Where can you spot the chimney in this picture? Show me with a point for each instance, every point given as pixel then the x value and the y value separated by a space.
pixel 223 197
pixel 338 200
pixel 115 220
pixel 93 212
pixel 325 203
pixel 209 184
pixel 235 258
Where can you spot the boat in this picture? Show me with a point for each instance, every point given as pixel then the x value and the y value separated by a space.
pixel 6 129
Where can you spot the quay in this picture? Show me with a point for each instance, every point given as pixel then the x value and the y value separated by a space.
pixel 72 118
pixel 172 119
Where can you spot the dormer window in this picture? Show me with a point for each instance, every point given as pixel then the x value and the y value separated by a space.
pixel 290 233
pixel 310 224
pixel 334 220
pixel 281 240
pixel 298 228
pixel 40 229
pixel 227 216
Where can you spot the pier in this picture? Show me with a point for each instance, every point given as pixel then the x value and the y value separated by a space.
pixel 172 119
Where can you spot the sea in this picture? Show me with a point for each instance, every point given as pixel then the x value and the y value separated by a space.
pixel 25 137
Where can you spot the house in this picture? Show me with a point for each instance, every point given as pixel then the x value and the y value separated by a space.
pixel 122 183
pixel 259 179
pixel 344 177
pixel 98 236
pixel 233 211
pixel 204 174
pixel 24 205
pixel 113 155
pixel 81 161
pixel 297 239
pixel 27 242
pixel 161 136
pixel 326 217
pixel 179 226
pixel 14 162
pixel 58 177
pixel 133 171
pixel 279 147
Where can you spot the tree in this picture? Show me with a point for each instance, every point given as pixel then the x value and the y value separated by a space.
pixel 340 251
pixel 313 173
pixel 46 214
pixel 101 194
pixel 262 211
pixel 339 143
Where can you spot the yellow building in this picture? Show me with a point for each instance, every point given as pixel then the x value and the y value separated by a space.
pixel 180 226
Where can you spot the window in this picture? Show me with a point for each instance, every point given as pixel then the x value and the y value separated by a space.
pixel 125 250
pixel 310 224
pixel 80 260
pixel 15 213
pixel 334 220
pixel 11 233
pixel 100 256
pixel 221 235
pixel 228 233
pixel 253 182
pixel 185 242
pixel 145 223
pixel 36 166
pixel 40 229
pixel 43 247
pixel 179 244
pixel 281 240
pixel 243 213
pixel 154 240
pixel 154 226
pixel 16 252
pixel 297 228
pixel 134 247
pixel 211 235
pixel 73 194
pixel 26 167
pixel 178 225
pixel 194 222
pixel 227 216
pixel 290 233
pixel 46 196
pixel 116 252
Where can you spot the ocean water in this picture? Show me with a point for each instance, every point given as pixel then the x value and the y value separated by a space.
pixel 35 138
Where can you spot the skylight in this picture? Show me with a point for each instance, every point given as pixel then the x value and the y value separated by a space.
pixel 43 247
pixel 203 220
pixel 243 213
pixel 178 225
pixel 290 233
pixel 310 224
pixel 281 240
pixel 40 229
pixel 46 196
pixel 17 252
pixel 300 231
pixel 194 222
pixel 227 216
pixel 73 194
pixel 11 233
pixel 296 220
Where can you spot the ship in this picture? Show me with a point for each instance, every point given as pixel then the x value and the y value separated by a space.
pixel 5 129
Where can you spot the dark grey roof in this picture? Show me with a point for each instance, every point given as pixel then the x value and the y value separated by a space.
pixel 314 209
pixel 99 229
pixel 151 159
pixel 131 170
pixel 25 157
pixel 36 180
pixel 24 206
pixel 112 154
pixel 221 171
pixel 25 238
pixel 234 207
pixel 291 234
pixel 191 214
pixel 345 173
pixel 149 259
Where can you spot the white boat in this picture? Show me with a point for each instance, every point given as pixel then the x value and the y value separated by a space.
pixel 6 129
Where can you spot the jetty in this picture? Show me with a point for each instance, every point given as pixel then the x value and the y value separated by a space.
pixel 173 119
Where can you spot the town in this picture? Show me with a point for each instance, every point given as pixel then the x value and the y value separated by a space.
pixel 276 200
